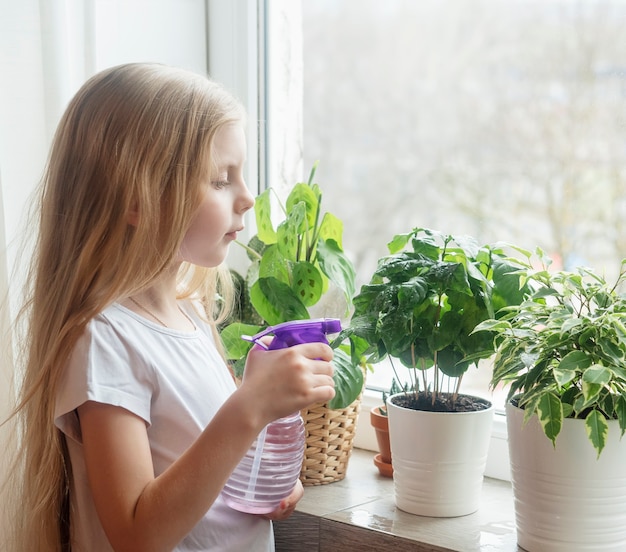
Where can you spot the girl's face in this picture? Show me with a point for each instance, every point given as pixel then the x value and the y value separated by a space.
pixel 224 201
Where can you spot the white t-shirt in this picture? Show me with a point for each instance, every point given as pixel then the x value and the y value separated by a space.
pixel 176 381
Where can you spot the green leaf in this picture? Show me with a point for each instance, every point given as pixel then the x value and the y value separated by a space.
pixel 550 413
pixel 612 351
pixel 307 283
pixel 567 409
pixel 545 292
pixel 276 302
pixel 331 228
pixel 569 367
pixel 508 289
pixel 579 403
pixel 574 360
pixel 492 325
pixel 451 363
pixel 447 331
pixel 570 324
pixel 591 391
pixel 274 265
pixel 597 430
pixel 530 408
pixel 303 193
pixel 620 410
pixel 263 215
pixel 427 250
pixel 348 378
pixel 337 267
pixel 597 374
pixel 289 232
pixel 607 404
pixel 255 248
pixel 586 335
pixel 563 377
pixel 234 346
pixel 398 243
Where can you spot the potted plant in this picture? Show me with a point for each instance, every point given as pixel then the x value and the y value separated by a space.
pixel 420 308
pixel 562 352
pixel 380 422
pixel 293 266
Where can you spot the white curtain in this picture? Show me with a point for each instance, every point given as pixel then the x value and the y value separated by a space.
pixel 24 116
pixel 47 50
pixel 21 121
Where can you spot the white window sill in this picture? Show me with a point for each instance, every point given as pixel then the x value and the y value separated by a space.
pixel 359 513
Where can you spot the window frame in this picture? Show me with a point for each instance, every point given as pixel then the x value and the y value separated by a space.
pixel 272 96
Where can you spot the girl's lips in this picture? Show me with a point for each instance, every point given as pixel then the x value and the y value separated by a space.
pixel 233 235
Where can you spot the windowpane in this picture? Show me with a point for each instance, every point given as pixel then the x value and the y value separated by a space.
pixel 501 119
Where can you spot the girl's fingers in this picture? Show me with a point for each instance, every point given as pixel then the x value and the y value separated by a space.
pixel 325 368
pixel 317 351
pixel 323 380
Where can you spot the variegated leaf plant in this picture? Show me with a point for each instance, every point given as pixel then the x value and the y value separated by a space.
pixel 563 350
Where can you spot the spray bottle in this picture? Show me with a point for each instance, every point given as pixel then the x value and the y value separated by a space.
pixel 271 467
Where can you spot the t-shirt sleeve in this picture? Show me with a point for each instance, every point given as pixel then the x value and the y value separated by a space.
pixel 105 368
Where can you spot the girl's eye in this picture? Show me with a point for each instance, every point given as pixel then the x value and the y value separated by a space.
pixel 219 184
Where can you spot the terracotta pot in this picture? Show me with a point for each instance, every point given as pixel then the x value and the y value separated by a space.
pixel 380 423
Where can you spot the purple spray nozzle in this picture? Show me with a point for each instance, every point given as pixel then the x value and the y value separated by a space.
pixel 296 332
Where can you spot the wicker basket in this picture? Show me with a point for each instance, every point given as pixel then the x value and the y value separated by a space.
pixel 329 436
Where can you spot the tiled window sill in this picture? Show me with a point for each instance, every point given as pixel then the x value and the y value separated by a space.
pixel 359 513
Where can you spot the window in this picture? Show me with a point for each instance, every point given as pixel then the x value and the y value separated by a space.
pixel 501 119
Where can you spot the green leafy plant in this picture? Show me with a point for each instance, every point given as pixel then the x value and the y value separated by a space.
pixel 562 351
pixel 292 267
pixel 421 307
pixel 393 389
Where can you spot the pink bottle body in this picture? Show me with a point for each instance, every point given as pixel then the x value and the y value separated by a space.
pixel 278 472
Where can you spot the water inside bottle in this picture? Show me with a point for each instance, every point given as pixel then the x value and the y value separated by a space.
pixel 280 466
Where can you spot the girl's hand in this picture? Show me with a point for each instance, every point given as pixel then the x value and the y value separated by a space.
pixel 284 381
pixel 287 505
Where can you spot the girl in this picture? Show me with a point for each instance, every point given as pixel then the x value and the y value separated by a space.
pixel 131 421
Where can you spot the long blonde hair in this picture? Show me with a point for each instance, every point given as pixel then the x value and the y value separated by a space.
pixel 134 137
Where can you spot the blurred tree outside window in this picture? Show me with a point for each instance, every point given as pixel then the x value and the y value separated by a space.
pixel 501 119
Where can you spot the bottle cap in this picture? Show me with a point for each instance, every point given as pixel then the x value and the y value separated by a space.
pixel 297 331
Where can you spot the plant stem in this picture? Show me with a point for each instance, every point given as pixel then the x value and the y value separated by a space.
pixel 393 367
pixel 457 388
pixel 316 230
pixel 249 250
pixel 312 173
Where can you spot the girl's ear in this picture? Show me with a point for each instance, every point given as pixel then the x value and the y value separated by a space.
pixel 133 216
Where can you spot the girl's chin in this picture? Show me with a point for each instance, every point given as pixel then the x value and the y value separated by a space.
pixel 212 260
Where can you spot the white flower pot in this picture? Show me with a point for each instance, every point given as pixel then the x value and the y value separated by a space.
pixel 438 459
pixel 566 498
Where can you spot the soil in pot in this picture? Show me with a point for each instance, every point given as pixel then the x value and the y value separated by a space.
pixel 442 402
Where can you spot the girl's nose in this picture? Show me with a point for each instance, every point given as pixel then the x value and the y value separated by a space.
pixel 246 201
